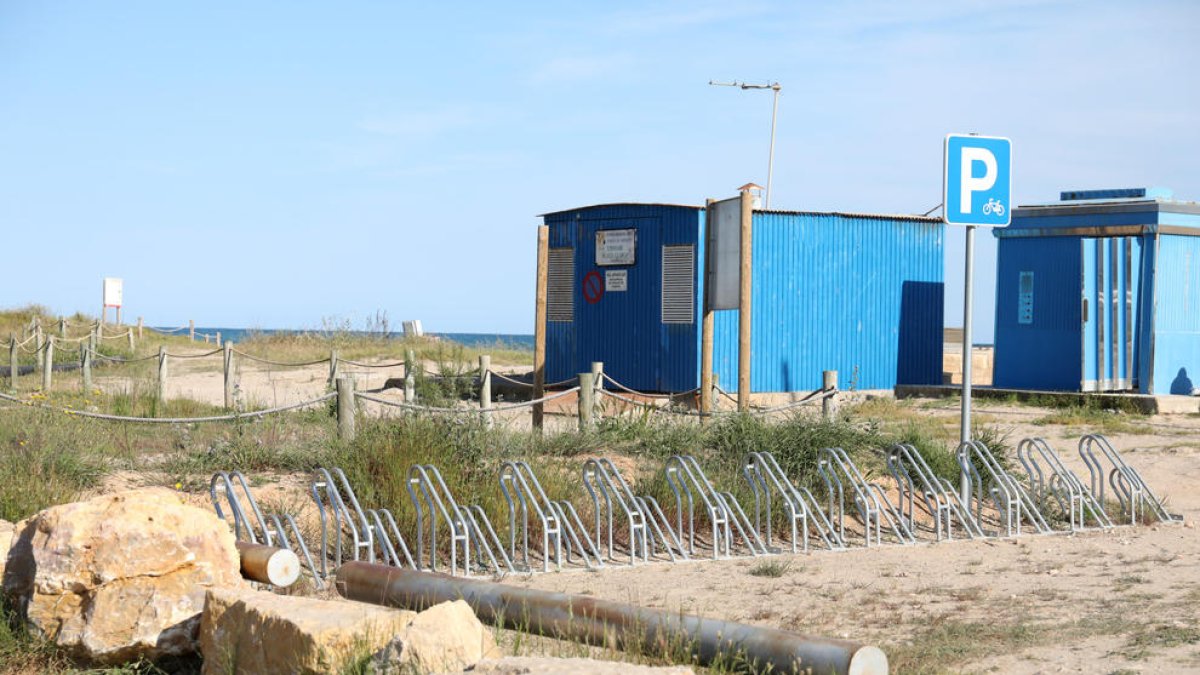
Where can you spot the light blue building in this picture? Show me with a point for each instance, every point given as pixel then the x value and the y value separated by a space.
pixel 1100 292
pixel 856 293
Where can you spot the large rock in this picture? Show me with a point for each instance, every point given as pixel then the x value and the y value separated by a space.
pixel 247 632
pixel 445 637
pixel 122 576
pixel 538 665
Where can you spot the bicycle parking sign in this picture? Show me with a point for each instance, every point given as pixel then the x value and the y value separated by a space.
pixel 977 184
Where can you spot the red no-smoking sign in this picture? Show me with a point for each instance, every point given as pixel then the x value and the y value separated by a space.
pixel 593 287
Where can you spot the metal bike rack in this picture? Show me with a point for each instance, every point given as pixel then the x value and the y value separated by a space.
pixel 388 538
pixel 762 472
pixel 560 523
pixel 1007 494
pixel 1060 483
pixel 1132 492
pixel 870 501
pixel 919 484
pixel 518 480
pixel 688 481
pixel 335 488
pixel 602 479
pixel 466 525
pixel 272 526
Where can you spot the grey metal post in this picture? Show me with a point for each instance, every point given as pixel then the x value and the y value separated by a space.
pixel 587 400
pixel 48 370
pixel 771 154
pixel 162 373
pixel 345 408
pixel 965 430
pixel 410 382
pixel 829 384
pixel 333 367
pixel 85 366
pixel 485 388
pixel 228 367
pixel 12 361
pixel 38 345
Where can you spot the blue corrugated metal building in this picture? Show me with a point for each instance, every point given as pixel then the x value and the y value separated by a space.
pixel 856 293
pixel 1100 292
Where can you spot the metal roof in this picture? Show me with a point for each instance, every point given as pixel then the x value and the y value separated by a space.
pixel 845 214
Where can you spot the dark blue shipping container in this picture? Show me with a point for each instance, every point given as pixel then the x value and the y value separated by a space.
pixel 856 293
pixel 1097 293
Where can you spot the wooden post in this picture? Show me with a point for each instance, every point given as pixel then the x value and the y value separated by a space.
pixel 207 340
pixel 38 346
pixel 99 332
pixel 48 369
pixel 85 367
pixel 829 384
pixel 597 385
pixel 410 376
pixel 93 340
pixel 744 316
pixel 131 339
pixel 715 394
pixel 218 338
pixel 228 362
pixel 587 401
pixel 485 389
pixel 539 325
pixel 345 408
pixel 118 316
pixel 162 373
pixel 13 368
pixel 140 328
pixel 333 368
pixel 192 330
pixel 708 323
pixel 62 327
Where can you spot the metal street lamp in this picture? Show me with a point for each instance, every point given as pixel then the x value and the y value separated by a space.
pixel 775 87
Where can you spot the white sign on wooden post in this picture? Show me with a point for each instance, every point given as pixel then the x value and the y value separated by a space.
pixel 113 292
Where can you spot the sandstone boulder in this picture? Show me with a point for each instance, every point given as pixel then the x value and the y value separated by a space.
pixel 445 637
pixel 248 632
pixel 122 576
pixel 537 665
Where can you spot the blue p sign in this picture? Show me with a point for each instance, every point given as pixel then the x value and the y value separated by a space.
pixel 978 181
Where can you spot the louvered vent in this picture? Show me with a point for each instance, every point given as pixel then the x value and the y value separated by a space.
pixel 678 283
pixel 560 285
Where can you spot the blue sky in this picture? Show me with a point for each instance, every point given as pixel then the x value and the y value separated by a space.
pixel 272 164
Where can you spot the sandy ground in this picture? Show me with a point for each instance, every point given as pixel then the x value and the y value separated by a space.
pixel 1126 600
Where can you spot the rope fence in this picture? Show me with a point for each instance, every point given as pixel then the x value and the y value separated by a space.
pixel 171 420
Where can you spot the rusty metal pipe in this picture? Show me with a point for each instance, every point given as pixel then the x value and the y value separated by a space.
pixel 269 565
pixel 604 623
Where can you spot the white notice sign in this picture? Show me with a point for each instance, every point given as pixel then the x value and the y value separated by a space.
pixel 616 247
pixel 616 280
pixel 113 295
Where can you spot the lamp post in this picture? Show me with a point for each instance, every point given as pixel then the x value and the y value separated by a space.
pixel 775 87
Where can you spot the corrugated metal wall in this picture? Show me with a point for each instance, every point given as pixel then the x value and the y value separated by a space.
pixel 625 329
pixel 1177 329
pixel 860 295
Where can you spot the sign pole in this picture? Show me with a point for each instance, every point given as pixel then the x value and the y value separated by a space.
pixel 965 431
